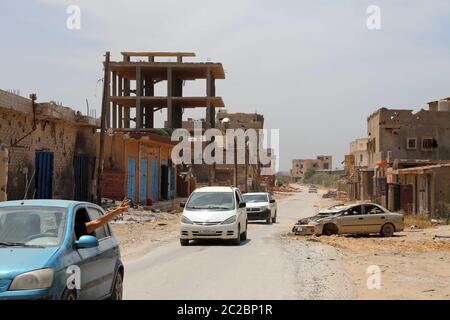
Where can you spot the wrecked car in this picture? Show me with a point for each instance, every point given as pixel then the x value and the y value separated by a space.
pixel 363 218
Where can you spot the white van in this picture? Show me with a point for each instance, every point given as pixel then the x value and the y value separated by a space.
pixel 214 213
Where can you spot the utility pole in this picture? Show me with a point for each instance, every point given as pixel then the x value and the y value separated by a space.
pixel 246 167
pixel 235 164
pixel 105 107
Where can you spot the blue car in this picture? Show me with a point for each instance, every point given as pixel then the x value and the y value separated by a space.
pixel 43 255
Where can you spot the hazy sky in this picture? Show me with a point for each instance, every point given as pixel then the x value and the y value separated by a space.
pixel 311 67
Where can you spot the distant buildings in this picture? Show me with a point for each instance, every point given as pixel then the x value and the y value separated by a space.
pixel 301 166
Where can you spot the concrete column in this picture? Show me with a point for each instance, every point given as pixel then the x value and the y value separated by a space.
pixel 170 110
pixel 178 110
pixel 150 92
pixel 114 106
pixel 138 98
pixel 126 111
pixel 120 107
pixel 210 92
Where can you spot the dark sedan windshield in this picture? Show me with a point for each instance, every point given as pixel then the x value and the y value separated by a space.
pixel 211 201
pixel 32 226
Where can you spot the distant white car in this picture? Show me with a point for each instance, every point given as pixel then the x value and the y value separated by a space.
pixel 214 213
pixel 261 206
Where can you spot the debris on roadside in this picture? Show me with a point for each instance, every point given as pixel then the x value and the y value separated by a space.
pixel 285 188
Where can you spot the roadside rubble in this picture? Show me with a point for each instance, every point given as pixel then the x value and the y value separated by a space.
pixel 143 227
pixel 286 189
pixel 143 214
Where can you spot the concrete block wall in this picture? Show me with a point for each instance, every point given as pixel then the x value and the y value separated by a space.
pixel 64 139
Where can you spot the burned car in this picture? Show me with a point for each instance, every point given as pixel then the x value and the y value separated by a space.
pixel 363 218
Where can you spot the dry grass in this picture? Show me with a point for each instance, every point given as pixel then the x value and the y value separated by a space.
pixel 414 220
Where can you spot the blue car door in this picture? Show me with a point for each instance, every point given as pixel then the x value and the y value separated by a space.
pixel 94 262
pixel 107 256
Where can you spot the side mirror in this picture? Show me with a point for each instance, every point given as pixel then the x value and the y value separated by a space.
pixel 272 201
pixel 87 242
pixel 182 204
pixel 242 205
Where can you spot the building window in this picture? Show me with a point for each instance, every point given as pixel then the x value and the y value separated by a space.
pixel 411 144
pixel 361 158
pixel 428 144
pixel 325 166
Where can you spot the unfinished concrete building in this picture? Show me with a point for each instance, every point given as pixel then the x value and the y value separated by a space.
pixel 46 150
pixel 132 98
pixel 132 103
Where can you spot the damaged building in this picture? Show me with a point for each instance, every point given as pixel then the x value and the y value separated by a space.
pixel 399 141
pixel 46 150
pixel 248 176
pixel 301 166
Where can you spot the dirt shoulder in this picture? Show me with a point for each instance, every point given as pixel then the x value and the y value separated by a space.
pixel 414 263
pixel 142 230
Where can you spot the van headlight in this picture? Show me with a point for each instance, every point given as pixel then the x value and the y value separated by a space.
pixel 230 220
pixel 39 279
pixel 185 220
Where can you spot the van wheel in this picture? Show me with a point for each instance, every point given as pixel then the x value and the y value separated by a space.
pixel 117 293
pixel 184 242
pixel 69 295
pixel 244 234
pixel 387 230
pixel 237 241
pixel 269 218
pixel 274 219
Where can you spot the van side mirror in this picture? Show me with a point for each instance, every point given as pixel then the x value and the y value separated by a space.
pixel 182 204
pixel 272 200
pixel 242 205
pixel 86 242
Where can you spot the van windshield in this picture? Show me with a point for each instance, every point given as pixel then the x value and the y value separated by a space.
pixel 211 201
pixel 32 226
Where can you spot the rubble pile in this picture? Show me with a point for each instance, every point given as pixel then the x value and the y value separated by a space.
pixel 286 189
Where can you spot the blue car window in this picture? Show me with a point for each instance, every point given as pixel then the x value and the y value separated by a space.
pixel 33 226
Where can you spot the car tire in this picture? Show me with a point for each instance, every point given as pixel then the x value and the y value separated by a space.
pixel 184 242
pixel 329 229
pixel 274 219
pixel 387 230
pixel 117 291
pixel 237 241
pixel 69 295
pixel 269 219
pixel 244 234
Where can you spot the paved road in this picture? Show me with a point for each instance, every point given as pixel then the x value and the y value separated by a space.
pixel 267 266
